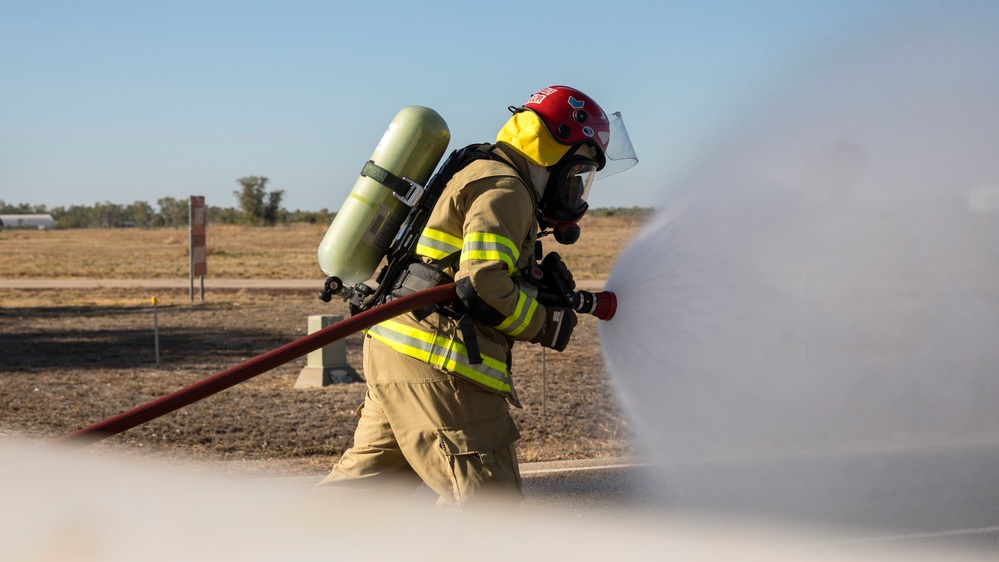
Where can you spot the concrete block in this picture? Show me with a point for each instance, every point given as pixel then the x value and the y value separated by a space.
pixel 327 365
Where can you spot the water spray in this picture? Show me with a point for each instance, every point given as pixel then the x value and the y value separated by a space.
pixel 807 326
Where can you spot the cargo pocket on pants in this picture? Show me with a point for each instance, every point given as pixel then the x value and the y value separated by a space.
pixel 482 461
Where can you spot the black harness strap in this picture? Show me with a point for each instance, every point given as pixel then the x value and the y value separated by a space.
pixel 467 327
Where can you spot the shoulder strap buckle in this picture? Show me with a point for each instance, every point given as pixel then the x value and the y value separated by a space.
pixel 404 189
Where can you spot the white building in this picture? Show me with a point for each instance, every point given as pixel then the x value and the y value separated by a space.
pixel 40 222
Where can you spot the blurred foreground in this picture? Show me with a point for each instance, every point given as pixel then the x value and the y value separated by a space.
pixel 61 506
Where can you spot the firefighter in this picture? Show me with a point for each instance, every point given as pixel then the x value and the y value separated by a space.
pixel 439 383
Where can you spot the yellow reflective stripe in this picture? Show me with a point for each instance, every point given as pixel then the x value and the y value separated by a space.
pixel 521 317
pixel 489 247
pixel 363 199
pixel 442 352
pixel 437 244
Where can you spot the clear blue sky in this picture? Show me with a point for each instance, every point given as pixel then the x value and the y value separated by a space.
pixel 123 101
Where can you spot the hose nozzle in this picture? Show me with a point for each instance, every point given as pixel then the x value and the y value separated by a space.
pixel 603 305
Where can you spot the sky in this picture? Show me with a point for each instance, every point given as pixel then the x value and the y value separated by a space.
pixel 134 101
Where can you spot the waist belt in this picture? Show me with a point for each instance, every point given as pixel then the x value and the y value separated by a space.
pixel 419 276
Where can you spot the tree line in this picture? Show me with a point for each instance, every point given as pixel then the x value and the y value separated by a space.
pixel 256 206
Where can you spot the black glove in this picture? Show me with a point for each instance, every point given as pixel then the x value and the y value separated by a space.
pixel 554 281
pixel 559 324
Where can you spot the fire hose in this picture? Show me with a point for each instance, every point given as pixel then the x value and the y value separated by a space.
pixel 288 352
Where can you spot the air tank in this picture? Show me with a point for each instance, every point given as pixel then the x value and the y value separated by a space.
pixel 370 218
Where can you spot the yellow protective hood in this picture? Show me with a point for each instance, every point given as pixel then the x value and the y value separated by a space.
pixel 526 134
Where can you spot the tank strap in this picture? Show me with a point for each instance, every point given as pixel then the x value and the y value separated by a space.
pixel 452 165
pixel 402 188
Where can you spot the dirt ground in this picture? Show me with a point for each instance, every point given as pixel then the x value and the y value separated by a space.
pixel 71 358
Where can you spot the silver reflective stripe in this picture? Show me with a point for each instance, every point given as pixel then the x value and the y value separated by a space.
pixel 437 244
pixel 490 247
pixel 557 314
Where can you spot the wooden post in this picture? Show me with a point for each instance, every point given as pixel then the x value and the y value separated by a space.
pixel 199 255
pixel 156 332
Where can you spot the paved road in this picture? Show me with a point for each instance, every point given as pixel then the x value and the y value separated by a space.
pixel 944 496
pixel 317 284
pixel 937 494
pixel 161 283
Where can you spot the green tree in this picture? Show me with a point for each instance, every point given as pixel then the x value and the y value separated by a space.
pixel 140 213
pixel 108 214
pixel 323 216
pixel 173 212
pixel 21 209
pixel 264 207
pixel 224 215
pixel 259 206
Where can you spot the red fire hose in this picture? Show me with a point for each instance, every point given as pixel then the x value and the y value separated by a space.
pixel 258 365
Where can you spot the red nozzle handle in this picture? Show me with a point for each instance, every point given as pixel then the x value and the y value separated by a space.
pixel 603 305
pixel 606 305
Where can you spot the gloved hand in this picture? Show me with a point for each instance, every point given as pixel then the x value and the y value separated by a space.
pixel 555 283
pixel 559 324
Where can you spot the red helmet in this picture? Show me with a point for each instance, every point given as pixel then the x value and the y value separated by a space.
pixel 572 118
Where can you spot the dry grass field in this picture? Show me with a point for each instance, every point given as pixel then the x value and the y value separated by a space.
pixel 70 358
pixel 234 252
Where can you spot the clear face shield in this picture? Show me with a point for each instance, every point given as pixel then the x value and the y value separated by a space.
pixel 572 181
pixel 573 178
pixel 620 153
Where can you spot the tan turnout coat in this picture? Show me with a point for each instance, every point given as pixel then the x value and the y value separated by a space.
pixel 487 212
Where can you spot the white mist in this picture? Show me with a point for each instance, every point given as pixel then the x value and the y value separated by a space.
pixel 827 287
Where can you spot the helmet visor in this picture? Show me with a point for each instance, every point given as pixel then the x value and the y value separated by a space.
pixel 620 154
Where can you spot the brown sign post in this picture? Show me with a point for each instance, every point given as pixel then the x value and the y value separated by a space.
pixel 199 255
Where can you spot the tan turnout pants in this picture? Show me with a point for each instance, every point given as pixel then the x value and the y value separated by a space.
pixel 418 423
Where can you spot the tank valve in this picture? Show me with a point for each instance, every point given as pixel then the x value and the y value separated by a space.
pixel 333 286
